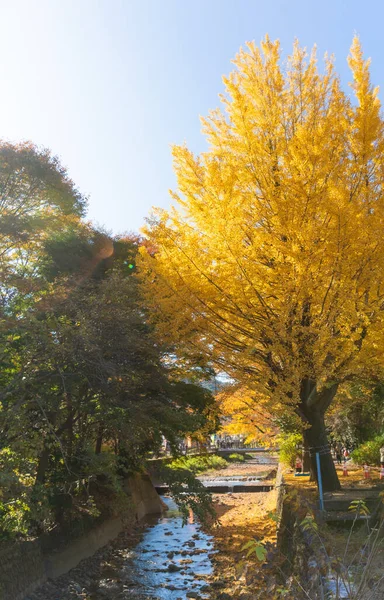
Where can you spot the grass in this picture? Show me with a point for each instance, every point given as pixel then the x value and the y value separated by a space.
pixel 199 464
pixel 235 457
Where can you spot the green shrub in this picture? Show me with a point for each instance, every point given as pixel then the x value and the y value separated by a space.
pixel 248 456
pixel 288 451
pixel 369 452
pixel 235 457
pixel 199 464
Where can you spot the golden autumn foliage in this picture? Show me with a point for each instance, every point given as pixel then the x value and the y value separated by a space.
pixel 247 413
pixel 272 266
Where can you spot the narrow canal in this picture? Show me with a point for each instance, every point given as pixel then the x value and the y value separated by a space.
pixel 173 559
pixel 166 560
pixel 161 559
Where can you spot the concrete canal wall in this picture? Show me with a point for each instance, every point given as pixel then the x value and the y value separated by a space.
pixel 24 566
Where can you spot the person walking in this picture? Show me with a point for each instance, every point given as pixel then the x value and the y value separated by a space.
pixel 298 465
pixel 382 456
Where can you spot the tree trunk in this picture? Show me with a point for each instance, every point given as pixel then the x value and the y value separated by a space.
pixel 69 427
pixel 307 457
pixel 312 409
pixel 317 440
pixel 42 465
pixel 99 439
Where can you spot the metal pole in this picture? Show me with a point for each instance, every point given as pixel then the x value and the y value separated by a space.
pixel 319 481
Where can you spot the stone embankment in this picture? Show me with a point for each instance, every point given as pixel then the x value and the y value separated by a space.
pixel 157 557
pixel 24 566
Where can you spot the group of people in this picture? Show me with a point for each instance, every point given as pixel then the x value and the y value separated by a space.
pixel 341 454
pixel 229 443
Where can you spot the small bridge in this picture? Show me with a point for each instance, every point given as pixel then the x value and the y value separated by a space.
pixel 244 450
pixel 219 487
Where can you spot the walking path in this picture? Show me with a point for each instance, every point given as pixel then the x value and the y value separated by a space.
pixel 243 517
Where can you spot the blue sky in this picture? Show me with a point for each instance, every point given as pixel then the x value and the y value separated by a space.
pixel 108 85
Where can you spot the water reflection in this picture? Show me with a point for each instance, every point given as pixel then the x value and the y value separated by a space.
pixel 172 559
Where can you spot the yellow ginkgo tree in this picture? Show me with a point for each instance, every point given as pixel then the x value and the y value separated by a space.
pixel 244 412
pixel 272 264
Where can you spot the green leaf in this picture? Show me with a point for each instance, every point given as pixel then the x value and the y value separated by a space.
pixel 249 544
pixel 359 506
pixel 239 569
pixel 261 553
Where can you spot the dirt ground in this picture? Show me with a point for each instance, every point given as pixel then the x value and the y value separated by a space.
pixel 348 545
pixel 245 469
pixel 354 479
pixel 242 517
pixel 249 511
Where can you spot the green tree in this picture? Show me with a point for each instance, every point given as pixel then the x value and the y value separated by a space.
pixel 87 394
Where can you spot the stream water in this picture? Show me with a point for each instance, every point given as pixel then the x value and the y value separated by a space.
pixel 165 560
pixel 172 559
pixel 162 559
